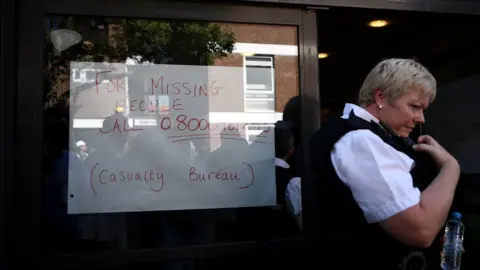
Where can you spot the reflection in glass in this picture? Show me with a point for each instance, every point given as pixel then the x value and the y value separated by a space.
pixel 162 133
pixel 259 84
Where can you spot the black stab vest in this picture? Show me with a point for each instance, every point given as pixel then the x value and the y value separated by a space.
pixel 348 241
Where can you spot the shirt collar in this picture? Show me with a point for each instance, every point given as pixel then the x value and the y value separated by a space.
pixel 359 112
pixel 281 163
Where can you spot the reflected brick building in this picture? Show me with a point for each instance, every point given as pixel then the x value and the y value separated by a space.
pixel 264 49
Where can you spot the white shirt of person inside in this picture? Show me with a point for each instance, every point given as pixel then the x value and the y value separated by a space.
pixel 377 174
pixel 293 194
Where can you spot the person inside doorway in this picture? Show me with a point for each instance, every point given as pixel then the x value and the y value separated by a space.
pixel 292 113
pixel 383 198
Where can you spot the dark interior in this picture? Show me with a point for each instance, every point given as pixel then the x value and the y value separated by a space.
pixel 447 45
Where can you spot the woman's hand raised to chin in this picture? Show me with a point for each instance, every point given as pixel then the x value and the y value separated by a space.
pixel 441 156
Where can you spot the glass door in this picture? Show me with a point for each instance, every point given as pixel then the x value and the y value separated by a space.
pixel 155 128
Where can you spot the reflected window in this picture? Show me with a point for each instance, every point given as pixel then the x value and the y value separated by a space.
pixel 254 131
pixel 259 84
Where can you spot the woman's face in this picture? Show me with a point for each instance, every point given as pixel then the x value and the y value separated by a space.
pixel 404 113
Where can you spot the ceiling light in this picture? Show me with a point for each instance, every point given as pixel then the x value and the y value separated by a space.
pixel 378 23
pixel 322 55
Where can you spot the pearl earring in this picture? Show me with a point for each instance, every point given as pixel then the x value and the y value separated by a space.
pixel 380 106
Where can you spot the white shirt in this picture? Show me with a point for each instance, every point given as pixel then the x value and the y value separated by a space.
pixel 377 174
pixel 293 196
pixel 281 163
pixel 293 192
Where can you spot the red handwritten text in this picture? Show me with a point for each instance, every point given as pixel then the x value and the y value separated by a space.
pixel 185 88
pixel 119 126
pixel 141 105
pixel 113 85
pixel 224 176
pixel 105 177
pixel 185 123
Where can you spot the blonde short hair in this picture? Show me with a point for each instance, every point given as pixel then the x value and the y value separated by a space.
pixel 397 77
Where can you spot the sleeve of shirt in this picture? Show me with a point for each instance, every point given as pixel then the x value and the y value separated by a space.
pixel 293 196
pixel 377 174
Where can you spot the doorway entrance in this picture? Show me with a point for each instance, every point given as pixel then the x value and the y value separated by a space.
pixel 352 41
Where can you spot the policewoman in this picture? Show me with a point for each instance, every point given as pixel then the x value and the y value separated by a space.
pixel 383 197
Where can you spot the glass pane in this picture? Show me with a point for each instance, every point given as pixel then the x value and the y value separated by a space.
pixel 151 139
pixel 259 78
pixel 259 105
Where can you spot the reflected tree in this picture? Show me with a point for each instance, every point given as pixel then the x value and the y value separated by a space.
pixel 178 42
pixel 115 40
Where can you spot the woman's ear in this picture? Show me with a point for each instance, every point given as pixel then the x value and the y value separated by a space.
pixel 379 97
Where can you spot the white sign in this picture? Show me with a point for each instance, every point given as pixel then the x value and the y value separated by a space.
pixel 184 159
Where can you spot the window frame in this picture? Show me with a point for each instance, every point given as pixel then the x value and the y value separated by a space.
pixel 28 149
pixel 8 73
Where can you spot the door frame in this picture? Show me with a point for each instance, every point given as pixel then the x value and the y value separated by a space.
pixel 7 124
pixel 28 147
pixel 437 6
